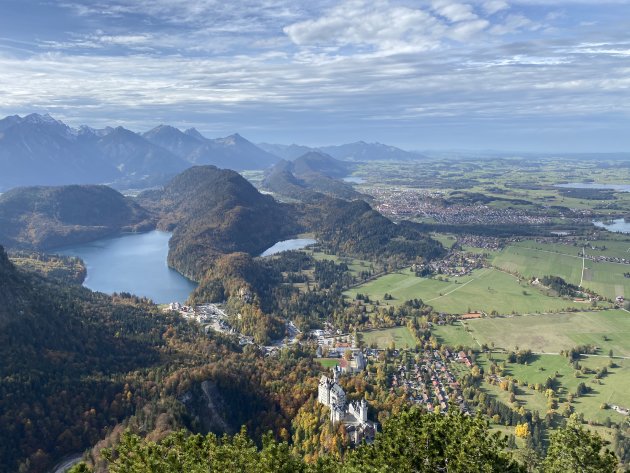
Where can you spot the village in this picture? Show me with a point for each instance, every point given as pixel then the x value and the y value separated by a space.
pixel 427 378
pixel 430 382
pixel 404 203
pixel 455 263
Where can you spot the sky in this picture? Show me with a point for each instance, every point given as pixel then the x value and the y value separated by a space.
pixel 527 75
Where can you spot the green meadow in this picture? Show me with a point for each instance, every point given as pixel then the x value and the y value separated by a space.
pixel 484 290
pixel 545 333
pixel 606 279
pixel 400 336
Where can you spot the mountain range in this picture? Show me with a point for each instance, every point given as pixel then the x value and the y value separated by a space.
pixel 358 151
pixel 40 150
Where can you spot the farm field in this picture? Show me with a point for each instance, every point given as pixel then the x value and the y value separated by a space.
pixel 546 333
pixel 606 279
pixel 401 336
pixel 454 336
pixel 484 290
pixel 617 246
pixel 530 263
pixel 614 387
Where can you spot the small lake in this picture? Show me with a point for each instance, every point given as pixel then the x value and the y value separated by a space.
pixel 619 225
pixel 134 263
pixel 287 245
pixel 354 180
pixel 595 185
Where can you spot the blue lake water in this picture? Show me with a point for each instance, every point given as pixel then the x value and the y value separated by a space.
pixel 595 185
pixel 134 263
pixel 619 225
pixel 286 245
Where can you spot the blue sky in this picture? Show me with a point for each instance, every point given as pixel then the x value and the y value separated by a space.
pixel 528 75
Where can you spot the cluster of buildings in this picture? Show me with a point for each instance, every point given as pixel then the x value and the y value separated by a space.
pixel 454 264
pixel 400 202
pixel 485 242
pixel 353 415
pixel 404 203
pixel 430 381
pixel 211 316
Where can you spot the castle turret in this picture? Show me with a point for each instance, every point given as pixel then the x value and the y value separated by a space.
pixel 323 393
pixel 363 408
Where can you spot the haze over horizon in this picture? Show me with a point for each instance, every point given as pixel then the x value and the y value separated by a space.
pixel 526 75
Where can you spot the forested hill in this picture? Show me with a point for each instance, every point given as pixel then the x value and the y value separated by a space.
pixel 213 212
pixel 64 350
pixel 12 293
pixel 310 174
pixel 355 228
pixel 48 217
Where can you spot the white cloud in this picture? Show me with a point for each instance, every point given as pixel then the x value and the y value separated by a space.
pixel 338 63
pixel 468 29
pixel 512 24
pixel 454 11
pixel 494 6
pixel 376 24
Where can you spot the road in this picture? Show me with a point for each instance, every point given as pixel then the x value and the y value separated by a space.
pixel 583 258
pixel 67 463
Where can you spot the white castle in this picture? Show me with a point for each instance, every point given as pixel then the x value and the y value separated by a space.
pixel 353 415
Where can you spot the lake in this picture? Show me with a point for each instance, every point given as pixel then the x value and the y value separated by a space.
pixel 287 245
pixel 134 263
pixel 618 225
pixel 595 185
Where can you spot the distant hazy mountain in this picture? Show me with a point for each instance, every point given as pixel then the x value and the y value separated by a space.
pixel 232 152
pixel 39 150
pixel 314 162
pixel 362 151
pixel 310 174
pixel 288 152
pixel 359 151
pixel 177 142
pixel 137 159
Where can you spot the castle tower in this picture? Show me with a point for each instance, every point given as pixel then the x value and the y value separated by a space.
pixel 363 408
pixel 323 392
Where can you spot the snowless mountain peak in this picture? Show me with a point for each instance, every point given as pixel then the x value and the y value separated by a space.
pixel 45 119
pixel 195 134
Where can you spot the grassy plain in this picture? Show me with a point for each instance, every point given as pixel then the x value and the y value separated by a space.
pixel 400 336
pixel 615 246
pixel 606 279
pixel 484 290
pixel 529 262
pixel 611 389
pixel 545 333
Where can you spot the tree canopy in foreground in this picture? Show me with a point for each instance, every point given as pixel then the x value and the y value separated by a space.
pixel 412 441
